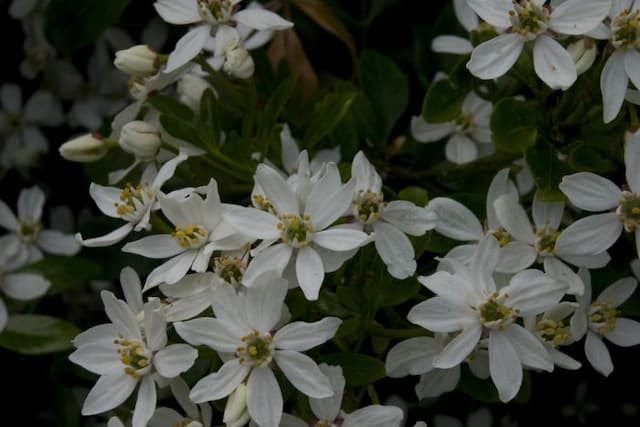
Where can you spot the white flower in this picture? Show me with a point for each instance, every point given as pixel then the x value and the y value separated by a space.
pixel 27 228
pixel 137 61
pixel 85 148
pixel 415 356
pixel 244 326
pixel 468 301
pixel 594 234
pixel 299 236
pixel 329 413
pixel 533 20
pixel 189 296
pixel 141 139
pixel 291 154
pixel 624 64
pixel 210 16
pixel 600 319
pixel 469 135
pixel 199 230
pixel 553 329
pixel 456 221
pixel 542 238
pixel 20 125
pixel 132 203
pixel 19 286
pixel 389 221
pixel 190 89
pixel 124 354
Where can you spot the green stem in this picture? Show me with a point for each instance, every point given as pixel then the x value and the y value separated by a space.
pixel 373 395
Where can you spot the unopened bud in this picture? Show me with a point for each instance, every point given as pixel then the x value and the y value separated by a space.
pixel 583 53
pixel 140 139
pixel 236 413
pixel 190 89
pixel 137 61
pixel 238 63
pixel 86 148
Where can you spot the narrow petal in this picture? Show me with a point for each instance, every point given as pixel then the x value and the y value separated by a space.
pixel 631 64
pixel 145 403
pixel 618 292
pixel 25 286
pixel 274 258
pixel 301 336
pixel 261 19
pixel 449 286
pixel 100 358
pixel 430 132
pixel 533 292
pixel 222 383
pixel 632 161
pixel 158 246
pixel 174 359
pixel 30 203
pixel 547 213
pixel 438 315
pixel 109 392
pixel 591 192
pixel 171 271
pixel 531 351
pixel 253 222
pixel 514 219
pixel 328 408
pixel 515 257
pixel 4 316
pixel 277 191
pixel 155 325
pixel 412 357
pixel 613 84
pixel 577 17
pixel 500 186
pixel 597 354
pixel 7 219
pixel 460 150
pixel 495 12
pixel 132 288
pixel 394 247
pixel 504 364
pixel 626 333
pixel 213 333
pixel 409 218
pixel 326 207
pixel 303 373
pixel 455 220
pixel 108 239
pixel 178 11
pixel 265 300
pixel 459 348
pixel 590 235
pixel 451 44
pixel 437 382
pixel 56 242
pixel 340 239
pixel 492 59
pixel 101 333
pixel 561 272
pixel 310 272
pixel 121 316
pixel 188 47
pixel 465 14
pixel 553 64
pixel 264 398
pixel 375 416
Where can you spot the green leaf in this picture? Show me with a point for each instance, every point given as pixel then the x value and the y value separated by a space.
pixel 36 334
pixel 419 196
pixel 395 292
pixel 65 273
pixel 547 171
pixel 327 114
pixel 170 106
pixel 443 102
pixel 358 369
pixel 72 24
pixel 514 125
pixel 276 103
pixel 386 87
pixel 210 116
pixel 584 158
pixel 180 129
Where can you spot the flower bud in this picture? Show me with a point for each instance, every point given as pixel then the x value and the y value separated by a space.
pixel 137 61
pixel 583 53
pixel 86 148
pixel 238 63
pixel 190 89
pixel 140 139
pixel 236 413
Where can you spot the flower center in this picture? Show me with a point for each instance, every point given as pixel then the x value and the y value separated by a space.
pixel 602 317
pixel 134 356
pixel 528 19
pixel 502 236
pixel 368 206
pixel 262 203
pixel 326 423
pixel 191 236
pixel 134 201
pixel 295 231
pixel 494 314
pixel 625 29
pixel 255 349
pixel 182 423
pixel 215 11
pixel 229 268
pixel 629 210
pixel 553 332
pixel 546 240
pixel 463 123
pixel 28 231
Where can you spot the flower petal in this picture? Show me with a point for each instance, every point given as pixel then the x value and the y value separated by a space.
pixel 174 359
pixel 214 333
pixel 626 333
pixel 340 239
pixel 274 258
pixel 613 84
pixel 455 220
pixel 121 316
pixel 108 392
pixel 7 219
pixel 590 235
pixel 439 315
pixel 547 213
pixel 264 398
pixel 303 373
pixel 597 354
pixel 157 246
pixel 178 11
pixel 514 219
pixel 56 242
pixel 145 403
pixel 451 44
pixel 222 383
pixel 618 292
pixel 375 416
pixel 460 150
pixel 412 357
pixel 437 382
pixel 591 192
pixel 576 17
pixel 457 350
pixel 171 271
pixel 261 19
pixel 301 336
pixel 188 47
pixel 505 367
pixel 409 218
pixel 531 351
pixel 493 58
pixel 328 408
pixel 310 272
pixel 25 286
pixel 108 239
pixel 253 222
